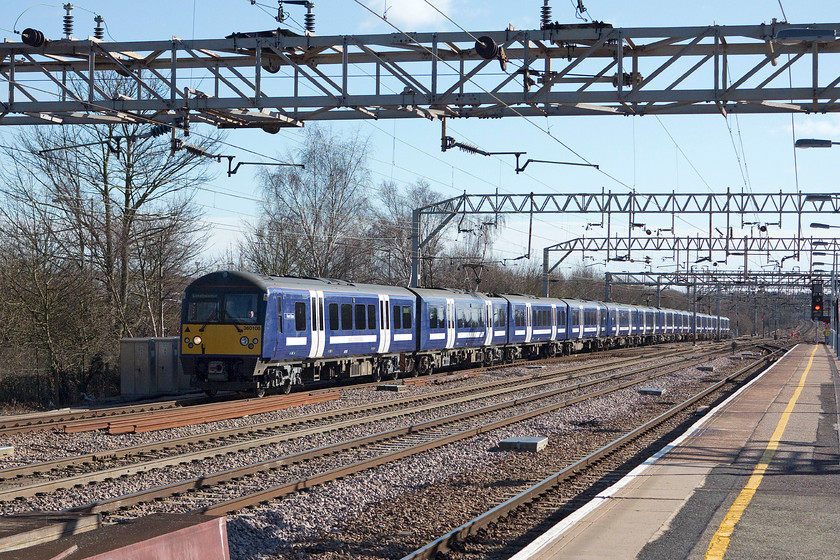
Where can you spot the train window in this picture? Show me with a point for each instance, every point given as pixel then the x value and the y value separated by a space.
pixel 561 317
pixel 360 317
pixel 333 310
pixel 519 317
pixel 300 316
pixel 433 318
pixel 397 318
pixel 371 310
pixel 406 313
pixel 501 317
pixel 575 318
pixel 241 308
pixel 203 308
pixel 346 317
pixel 462 318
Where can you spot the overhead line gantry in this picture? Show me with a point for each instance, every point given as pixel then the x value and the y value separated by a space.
pixel 726 210
pixel 277 78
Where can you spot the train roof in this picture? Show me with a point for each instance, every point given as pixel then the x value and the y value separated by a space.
pixel 264 282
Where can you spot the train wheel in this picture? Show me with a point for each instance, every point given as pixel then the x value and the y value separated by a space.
pixel 487 359
pixel 210 392
pixel 376 375
pixel 424 367
pixel 259 392
pixel 286 387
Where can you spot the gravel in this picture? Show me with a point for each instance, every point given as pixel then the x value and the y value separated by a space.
pixel 418 498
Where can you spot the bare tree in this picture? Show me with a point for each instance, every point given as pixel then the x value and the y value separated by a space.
pixel 102 193
pixel 109 202
pixel 313 218
pixel 166 249
pixel 52 312
pixel 390 230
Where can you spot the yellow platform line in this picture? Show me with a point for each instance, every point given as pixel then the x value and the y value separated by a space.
pixel 720 540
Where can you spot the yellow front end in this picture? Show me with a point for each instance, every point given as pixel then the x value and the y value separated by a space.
pixel 221 340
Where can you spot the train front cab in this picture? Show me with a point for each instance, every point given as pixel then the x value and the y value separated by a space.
pixel 222 324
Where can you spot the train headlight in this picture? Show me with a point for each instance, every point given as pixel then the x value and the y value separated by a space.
pixel 244 341
pixel 196 340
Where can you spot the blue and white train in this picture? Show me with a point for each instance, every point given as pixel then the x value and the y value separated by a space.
pixel 252 333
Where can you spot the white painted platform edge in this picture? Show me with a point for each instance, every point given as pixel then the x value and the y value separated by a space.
pixel 546 538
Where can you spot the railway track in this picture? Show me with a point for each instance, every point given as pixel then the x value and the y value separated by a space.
pixel 369 451
pixel 24 423
pixel 539 505
pixel 99 417
pixel 34 479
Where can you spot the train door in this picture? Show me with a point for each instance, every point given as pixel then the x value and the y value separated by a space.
pixel 488 323
pixel 553 322
pixel 450 323
pixel 384 324
pixel 529 325
pixel 316 307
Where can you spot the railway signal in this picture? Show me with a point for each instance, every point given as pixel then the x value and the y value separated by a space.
pixel 817 312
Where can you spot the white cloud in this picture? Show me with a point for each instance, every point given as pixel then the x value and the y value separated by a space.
pixel 413 15
pixel 822 126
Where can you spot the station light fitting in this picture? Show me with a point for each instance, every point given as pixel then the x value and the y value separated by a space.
pixel 799 35
pixel 813 143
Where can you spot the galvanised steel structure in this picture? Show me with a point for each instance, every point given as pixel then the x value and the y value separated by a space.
pixel 277 78
pixel 729 280
pixel 692 252
pixel 727 209
pixel 776 293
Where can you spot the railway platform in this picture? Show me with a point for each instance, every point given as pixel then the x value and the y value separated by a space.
pixel 65 536
pixel 757 478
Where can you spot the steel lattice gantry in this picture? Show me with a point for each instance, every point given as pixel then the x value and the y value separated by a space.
pixel 730 280
pixel 276 79
pixel 689 252
pixel 724 208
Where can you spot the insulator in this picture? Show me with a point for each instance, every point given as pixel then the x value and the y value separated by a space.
pixel 32 37
pixel 545 15
pixel 486 47
pixel 158 130
pixel 98 30
pixel 469 148
pixel 309 18
pixel 68 21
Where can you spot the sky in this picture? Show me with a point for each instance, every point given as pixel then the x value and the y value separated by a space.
pixel 688 154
